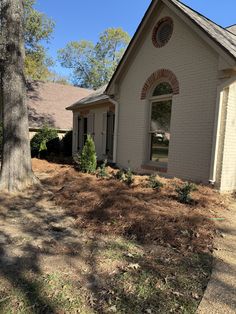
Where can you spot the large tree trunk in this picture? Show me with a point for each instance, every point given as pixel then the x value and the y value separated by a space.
pixel 16 170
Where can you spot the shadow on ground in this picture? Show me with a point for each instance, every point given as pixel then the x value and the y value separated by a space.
pixel 51 262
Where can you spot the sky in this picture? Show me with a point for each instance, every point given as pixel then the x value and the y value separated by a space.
pixel 86 19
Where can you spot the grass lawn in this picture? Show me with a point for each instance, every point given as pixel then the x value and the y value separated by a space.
pixel 80 244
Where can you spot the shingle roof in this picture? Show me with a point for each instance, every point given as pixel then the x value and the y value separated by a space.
pixel 222 36
pixel 97 96
pixel 232 29
pixel 47 103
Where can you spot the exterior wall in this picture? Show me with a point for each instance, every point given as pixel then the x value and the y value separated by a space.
pixel 98 129
pixel 195 65
pixel 228 170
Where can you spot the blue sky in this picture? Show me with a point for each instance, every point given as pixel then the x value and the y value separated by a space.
pixel 86 19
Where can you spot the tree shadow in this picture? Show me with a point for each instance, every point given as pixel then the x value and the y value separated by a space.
pixel 77 224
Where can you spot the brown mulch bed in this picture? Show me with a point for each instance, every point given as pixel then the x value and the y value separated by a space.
pixel 108 206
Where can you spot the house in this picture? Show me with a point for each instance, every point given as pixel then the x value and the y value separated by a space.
pixel 170 106
pixel 46 103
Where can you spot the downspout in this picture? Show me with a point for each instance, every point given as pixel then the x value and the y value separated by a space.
pixel 216 132
pixel 116 129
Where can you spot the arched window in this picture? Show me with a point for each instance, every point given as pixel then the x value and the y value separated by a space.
pixel 163 88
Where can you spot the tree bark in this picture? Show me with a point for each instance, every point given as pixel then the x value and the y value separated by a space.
pixel 16 170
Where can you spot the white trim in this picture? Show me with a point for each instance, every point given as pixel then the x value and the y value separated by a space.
pixel 116 129
pixel 154 100
pixel 161 98
pixel 216 132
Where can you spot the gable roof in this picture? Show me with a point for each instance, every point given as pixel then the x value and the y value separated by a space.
pixel 95 97
pixel 225 39
pixel 47 103
pixel 232 29
pixel 221 35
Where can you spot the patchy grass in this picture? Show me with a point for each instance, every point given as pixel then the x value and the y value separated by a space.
pixel 88 245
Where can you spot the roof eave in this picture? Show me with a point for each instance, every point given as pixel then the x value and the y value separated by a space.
pixel 231 58
pixel 91 103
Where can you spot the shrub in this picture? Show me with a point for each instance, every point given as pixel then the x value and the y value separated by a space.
pixel 125 176
pixel 184 192
pixel 39 143
pixel 66 144
pixel 120 175
pixel 154 183
pixel 102 171
pixel 88 158
pixel 53 146
pixel 129 177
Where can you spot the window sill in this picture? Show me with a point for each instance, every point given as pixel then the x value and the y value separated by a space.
pixel 155 167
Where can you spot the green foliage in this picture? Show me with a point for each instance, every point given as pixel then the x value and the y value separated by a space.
pixel 93 65
pixel 120 175
pixel 37 65
pixel 88 158
pixel 184 192
pixel 125 176
pixel 40 142
pixel 129 177
pixel 154 183
pixel 102 171
pixel 66 144
pixel 38 28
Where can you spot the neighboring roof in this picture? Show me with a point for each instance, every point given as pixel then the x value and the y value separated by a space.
pixel 95 97
pixel 223 37
pixel 47 103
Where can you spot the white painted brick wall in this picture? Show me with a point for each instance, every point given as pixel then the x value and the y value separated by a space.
pixel 228 176
pixel 195 65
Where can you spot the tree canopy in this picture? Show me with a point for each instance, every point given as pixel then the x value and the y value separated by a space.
pixel 92 65
pixel 38 28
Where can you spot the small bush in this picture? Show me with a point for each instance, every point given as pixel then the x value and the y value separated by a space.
pixel 39 143
pixel 88 158
pixel 184 192
pixel 129 177
pixel 66 144
pixel 125 176
pixel 120 175
pixel 102 171
pixel 154 183
pixel 53 146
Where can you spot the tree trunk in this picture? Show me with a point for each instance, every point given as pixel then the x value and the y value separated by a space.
pixel 16 170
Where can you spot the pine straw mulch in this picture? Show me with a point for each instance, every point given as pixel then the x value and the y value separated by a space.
pixel 110 207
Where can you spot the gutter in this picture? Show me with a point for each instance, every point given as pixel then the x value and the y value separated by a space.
pixel 116 129
pixel 216 132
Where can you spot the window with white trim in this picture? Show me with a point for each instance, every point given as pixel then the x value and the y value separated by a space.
pixel 160 117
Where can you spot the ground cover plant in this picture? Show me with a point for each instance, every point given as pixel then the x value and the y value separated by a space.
pixel 84 244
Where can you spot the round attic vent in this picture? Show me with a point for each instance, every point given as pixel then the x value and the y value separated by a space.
pixel 162 32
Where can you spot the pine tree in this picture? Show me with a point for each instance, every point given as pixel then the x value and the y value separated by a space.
pixel 88 159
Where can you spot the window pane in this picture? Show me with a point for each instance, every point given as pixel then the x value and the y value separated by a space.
pixel 162 89
pixel 160 128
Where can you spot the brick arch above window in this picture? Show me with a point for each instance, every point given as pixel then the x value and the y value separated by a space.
pixel 162 75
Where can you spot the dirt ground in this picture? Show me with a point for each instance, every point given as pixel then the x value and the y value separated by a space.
pixel 80 244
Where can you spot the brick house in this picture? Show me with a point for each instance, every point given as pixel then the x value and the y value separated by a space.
pixel 170 106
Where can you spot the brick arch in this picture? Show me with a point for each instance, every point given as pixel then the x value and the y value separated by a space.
pixel 162 75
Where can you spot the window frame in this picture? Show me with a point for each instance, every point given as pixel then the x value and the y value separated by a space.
pixel 152 100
